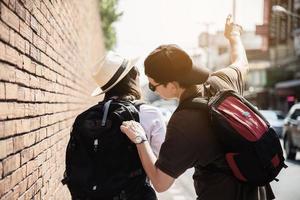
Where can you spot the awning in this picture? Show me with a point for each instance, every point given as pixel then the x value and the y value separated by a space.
pixel 288 84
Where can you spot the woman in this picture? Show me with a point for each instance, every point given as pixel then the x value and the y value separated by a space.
pixel 118 79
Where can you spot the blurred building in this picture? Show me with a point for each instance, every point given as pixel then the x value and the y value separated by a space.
pixel 273 51
pixel 258 59
pixel 280 33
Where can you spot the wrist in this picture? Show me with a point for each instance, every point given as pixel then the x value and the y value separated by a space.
pixel 235 33
pixel 139 139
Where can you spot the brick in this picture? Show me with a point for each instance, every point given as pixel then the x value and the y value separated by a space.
pixel 27 94
pixel 20 10
pixel 20 43
pixel 6 2
pixel 21 96
pixel 11 91
pixel 15 193
pixel 39 43
pixel 25 31
pixel 29 193
pixel 30 139
pixel 1 169
pixel 33 81
pixel 12 56
pixel 23 186
pixel 37 3
pixel 27 48
pixel 7 73
pixel 19 108
pixel 12 4
pixel 27 17
pixel 2 91
pixel 38 70
pixel 23 126
pixel 43 34
pixel 35 53
pixel 22 77
pixel 10 128
pixel 9 17
pixel 44 10
pixel 34 24
pixel 9 146
pixel 26 155
pixel 16 177
pixel 29 5
pixel 3 152
pixel 4 32
pixel 2 132
pixel 2 53
pixel 4 185
pixel 11 163
pixel 12 37
pixel 5 112
pixel 31 167
pixel 39 16
pixel 27 64
pixel 18 143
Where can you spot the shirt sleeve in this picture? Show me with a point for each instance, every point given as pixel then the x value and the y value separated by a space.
pixel 230 77
pixel 152 121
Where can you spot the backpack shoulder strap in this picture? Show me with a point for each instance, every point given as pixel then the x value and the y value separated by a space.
pixel 194 103
pixel 137 104
pixel 105 111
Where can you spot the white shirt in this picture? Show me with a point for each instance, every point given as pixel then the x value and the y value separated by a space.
pixel 153 123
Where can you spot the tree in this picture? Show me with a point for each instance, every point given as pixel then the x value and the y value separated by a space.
pixel 109 15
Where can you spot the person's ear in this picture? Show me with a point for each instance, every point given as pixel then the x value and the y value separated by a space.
pixel 175 85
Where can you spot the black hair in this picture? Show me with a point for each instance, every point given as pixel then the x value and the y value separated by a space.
pixel 127 88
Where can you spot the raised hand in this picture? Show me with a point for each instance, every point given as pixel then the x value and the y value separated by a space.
pixel 232 29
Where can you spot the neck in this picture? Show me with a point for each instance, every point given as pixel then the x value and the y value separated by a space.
pixel 180 92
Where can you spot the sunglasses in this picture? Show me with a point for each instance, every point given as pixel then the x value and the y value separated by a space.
pixel 153 87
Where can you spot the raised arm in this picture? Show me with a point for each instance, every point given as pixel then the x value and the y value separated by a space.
pixel 238 54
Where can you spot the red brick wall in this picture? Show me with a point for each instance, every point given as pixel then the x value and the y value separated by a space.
pixel 46 50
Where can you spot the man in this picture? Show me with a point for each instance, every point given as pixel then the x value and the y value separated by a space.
pixel 190 141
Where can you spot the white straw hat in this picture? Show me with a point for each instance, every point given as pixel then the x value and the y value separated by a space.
pixel 110 70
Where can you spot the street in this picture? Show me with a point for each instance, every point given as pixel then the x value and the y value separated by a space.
pixel 288 186
pixel 286 189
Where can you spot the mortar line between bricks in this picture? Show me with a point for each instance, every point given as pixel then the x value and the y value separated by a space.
pixel 41 127
pixel 30 73
pixel 40 63
pixel 69 71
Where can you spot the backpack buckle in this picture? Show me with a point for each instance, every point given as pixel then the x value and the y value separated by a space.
pixel 96 144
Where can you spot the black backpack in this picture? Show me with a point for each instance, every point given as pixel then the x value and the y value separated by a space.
pixel 101 162
pixel 252 148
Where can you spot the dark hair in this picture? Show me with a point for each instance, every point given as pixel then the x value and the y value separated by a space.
pixel 169 63
pixel 127 88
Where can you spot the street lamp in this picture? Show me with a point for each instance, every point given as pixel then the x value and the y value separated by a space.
pixel 280 9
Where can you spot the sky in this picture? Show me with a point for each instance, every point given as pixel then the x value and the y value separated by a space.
pixel 146 24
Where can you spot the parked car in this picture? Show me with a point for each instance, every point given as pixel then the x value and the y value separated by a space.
pixel 291 132
pixel 275 118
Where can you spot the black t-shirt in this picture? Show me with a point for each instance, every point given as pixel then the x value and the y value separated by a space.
pixel 190 143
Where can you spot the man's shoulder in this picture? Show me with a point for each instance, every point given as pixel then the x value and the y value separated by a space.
pixel 228 78
pixel 191 119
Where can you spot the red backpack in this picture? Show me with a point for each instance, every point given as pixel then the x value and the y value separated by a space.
pixel 252 148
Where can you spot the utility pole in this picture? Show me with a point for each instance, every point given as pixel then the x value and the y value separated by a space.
pixel 207 26
pixel 233 10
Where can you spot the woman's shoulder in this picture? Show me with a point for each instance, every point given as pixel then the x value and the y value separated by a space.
pixel 146 108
